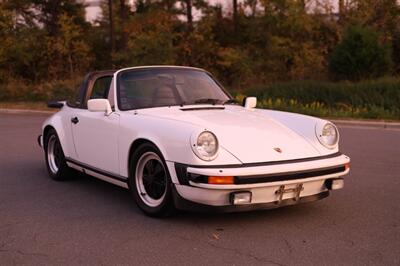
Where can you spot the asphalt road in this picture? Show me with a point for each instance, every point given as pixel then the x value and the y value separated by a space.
pixel 87 221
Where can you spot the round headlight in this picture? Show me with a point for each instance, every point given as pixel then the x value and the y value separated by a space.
pixel 206 146
pixel 328 135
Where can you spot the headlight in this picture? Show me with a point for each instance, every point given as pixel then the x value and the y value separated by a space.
pixel 205 146
pixel 327 134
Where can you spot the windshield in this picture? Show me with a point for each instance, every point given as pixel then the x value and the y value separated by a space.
pixel 157 87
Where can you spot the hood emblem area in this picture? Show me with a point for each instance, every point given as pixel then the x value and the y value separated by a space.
pixel 278 149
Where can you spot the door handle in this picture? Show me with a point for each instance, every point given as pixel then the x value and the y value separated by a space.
pixel 75 120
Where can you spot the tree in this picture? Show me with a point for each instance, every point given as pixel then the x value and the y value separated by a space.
pixel 360 56
pixel 69 50
pixel 235 13
pixel 49 12
pixel 189 15
pixel 342 10
pixel 111 25
pixel 252 4
pixel 151 39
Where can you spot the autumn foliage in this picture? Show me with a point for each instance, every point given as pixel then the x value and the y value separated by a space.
pixel 246 44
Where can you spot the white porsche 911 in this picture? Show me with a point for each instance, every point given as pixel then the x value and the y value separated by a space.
pixel 177 140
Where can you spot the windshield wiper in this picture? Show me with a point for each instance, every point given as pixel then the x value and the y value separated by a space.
pixel 208 100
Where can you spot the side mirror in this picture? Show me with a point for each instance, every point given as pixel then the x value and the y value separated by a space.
pixel 250 102
pixel 99 105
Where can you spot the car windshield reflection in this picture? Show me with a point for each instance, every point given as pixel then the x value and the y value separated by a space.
pixel 167 87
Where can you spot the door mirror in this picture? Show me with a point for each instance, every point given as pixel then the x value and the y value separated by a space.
pixel 99 105
pixel 250 102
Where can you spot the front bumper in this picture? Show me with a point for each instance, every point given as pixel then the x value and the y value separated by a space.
pixel 184 204
pixel 271 185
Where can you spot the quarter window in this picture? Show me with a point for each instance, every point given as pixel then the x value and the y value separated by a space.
pixel 101 87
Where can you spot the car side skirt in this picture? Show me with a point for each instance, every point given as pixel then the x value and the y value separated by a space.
pixel 100 174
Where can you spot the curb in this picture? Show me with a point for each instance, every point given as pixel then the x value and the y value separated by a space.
pixel 367 124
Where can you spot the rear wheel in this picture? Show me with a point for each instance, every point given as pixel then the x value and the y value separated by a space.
pixel 149 181
pixel 55 159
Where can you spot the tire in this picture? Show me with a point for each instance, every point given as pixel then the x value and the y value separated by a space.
pixel 57 167
pixel 149 181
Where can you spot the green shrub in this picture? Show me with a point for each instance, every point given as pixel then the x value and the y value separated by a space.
pixel 360 55
pixel 367 99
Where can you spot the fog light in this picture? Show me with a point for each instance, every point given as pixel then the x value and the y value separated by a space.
pixel 333 184
pixel 238 198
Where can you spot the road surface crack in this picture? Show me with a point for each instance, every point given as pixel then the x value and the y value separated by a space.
pixel 288 246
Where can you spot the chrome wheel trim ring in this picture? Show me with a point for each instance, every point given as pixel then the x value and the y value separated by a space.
pixel 51 154
pixel 140 186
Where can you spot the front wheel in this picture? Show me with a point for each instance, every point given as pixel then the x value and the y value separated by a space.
pixel 55 159
pixel 150 183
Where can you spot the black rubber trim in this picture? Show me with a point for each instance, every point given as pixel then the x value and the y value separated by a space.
pixel 38 140
pixel 184 177
pixel 98 171
pixel 289 175
pixel 202 108
pixel 184 204
pixel 55 104
pixel 337 154
pixel 181 173
pixel 285 176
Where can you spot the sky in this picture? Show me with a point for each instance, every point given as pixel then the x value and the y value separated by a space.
pixel 93 12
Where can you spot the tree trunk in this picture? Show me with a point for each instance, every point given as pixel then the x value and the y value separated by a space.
pixel 253 7
pixel 235 13
pixel 189 15
pixel 265 4
pixel 303 4
pixel 341 10
pixel 110 17
pixel 123 18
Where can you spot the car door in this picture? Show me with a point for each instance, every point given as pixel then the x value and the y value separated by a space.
pixel 95 134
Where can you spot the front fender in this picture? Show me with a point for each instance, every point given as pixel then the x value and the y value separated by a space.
pixel 171 137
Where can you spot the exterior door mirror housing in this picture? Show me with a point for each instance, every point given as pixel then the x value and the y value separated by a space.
pixel 250 102
pixel 99 105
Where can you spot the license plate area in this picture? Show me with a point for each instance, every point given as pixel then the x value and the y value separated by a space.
pixel 295 191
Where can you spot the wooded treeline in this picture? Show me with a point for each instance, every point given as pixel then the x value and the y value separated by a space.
pixel 245 43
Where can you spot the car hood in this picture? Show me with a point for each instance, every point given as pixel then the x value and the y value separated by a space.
pixel 249 136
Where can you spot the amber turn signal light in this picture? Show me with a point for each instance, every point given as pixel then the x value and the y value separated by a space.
pixel 221 180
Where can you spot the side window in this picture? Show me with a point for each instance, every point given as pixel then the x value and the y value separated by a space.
pixel 101 87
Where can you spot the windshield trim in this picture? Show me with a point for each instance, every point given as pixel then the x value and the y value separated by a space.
pixel 162 68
